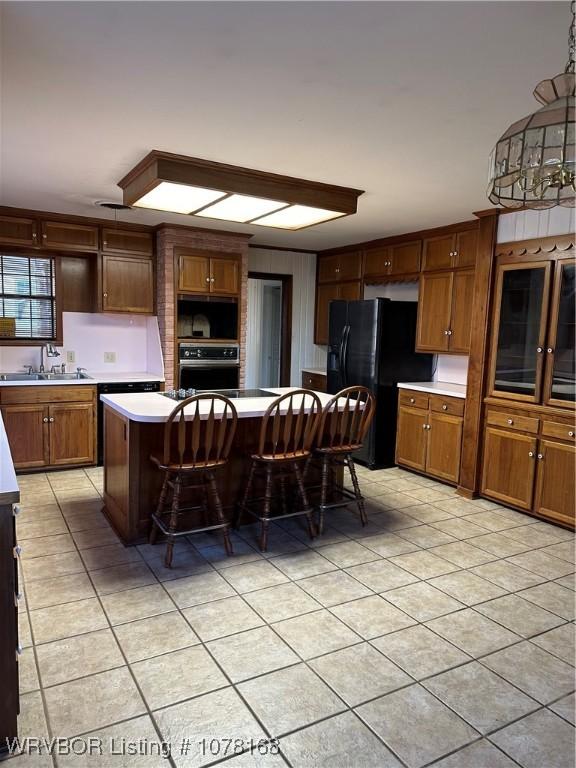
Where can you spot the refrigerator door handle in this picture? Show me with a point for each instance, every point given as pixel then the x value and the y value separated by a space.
pixel 345 356
pixel 341 353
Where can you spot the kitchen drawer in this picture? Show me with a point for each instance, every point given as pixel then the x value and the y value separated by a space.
pixel 559 431
pixel 315 381
pixel 512 421
pixel 453 405
pixel 413 399
pixel 43 393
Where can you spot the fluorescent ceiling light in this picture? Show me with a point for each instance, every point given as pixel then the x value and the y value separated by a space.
pixel 179 198
pixel 297 217
pixel 240 208
pixel 203 188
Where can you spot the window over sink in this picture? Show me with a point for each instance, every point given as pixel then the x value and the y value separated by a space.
pixel 27 298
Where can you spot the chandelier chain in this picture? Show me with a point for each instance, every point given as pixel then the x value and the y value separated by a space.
pixel 570 66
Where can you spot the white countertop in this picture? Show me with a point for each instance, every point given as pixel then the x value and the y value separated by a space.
pixel 317 371
pixel 9 491
pixel 446 388
pixel 95 378
pixel 154 407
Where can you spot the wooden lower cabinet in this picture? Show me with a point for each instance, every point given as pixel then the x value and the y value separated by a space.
pixel 429 437
pixel 555 490
pixel 509 467
pixel 314 381
pixel 51 433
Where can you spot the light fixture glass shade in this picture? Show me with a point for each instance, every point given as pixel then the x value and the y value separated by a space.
pixel 179 198
pixel 533 163
pixel 297 217
pixel 241 208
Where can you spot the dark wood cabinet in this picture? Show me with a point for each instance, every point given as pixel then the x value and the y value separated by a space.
pixel 450 251
pixel 340 267
pixel 555 490
pixel 393 261
pixel 18 231
pixel 324 295
pixel 466 247
pixel 314 381
pixel 10 648
pixel 560 373
pixel 444 312
pixel 127 284
pixel 429 434
pixel 50 426
pixel 509 466
pixel 66 236
pixel 127 241
pixel 209 274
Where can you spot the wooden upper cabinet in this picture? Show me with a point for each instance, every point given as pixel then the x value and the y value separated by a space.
pixel 71 433
pixel 377 262
pixel 27 429
pixel 555 491
pixel 128 284
pixel 17 231
pixel 341 266
pixel 405 258
pixel 69 237
pixel 461 315
pixel 509 466
pixel 194 274
pixel 434 312
pixel 465 247
pixel 224 276
pixel 438 253
pixel 126 241
pixel 411 437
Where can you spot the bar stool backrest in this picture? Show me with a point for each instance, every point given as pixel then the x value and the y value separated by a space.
pixel 289 425
pixel 346 418
pixel 205 435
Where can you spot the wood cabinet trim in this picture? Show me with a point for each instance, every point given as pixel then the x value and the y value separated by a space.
pixel 547 397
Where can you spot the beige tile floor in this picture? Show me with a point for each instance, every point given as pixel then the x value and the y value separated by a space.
pixel 440 634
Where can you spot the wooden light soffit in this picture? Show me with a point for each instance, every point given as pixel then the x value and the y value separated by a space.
pixel 158 166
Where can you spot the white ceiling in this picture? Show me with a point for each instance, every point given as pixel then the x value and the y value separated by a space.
pixel 401 99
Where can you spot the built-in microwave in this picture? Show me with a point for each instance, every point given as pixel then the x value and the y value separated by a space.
pixel 207 317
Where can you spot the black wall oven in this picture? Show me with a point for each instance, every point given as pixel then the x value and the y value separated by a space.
pixel 208 366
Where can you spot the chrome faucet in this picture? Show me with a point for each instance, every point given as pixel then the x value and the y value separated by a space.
pixel 51 351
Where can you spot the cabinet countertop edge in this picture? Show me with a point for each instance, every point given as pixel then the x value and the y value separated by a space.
pixel 446 388
pixel 315 371
pixel 9 491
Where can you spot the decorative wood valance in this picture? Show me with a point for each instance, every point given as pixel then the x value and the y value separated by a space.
pixel 536 246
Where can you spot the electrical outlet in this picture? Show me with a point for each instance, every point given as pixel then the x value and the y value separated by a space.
pixel 109 357
pixel 70 356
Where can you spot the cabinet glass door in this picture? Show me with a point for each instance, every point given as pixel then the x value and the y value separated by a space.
pixel 561 378
pixel 519 330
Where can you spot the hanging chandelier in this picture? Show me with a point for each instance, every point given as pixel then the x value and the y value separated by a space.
pixel 532 165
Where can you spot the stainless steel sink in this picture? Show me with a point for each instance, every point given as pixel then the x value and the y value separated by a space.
pixel 62 376
pixel 20 376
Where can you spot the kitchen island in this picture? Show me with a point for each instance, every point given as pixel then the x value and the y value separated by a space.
pixel 134 428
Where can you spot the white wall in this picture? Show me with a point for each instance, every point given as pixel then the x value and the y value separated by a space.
pixel 133 338
pixel 526 225
pixel 302 267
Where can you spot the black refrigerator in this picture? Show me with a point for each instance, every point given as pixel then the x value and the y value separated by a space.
pixel 371 343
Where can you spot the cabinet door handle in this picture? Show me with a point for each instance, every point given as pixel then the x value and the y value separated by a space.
pixel 105 295
pixel 570 434
pixel 549 350
pixel 540 456
pixel 207 279
pixel 211 279
pixel 15 509
pixel 412 400
pixel 531 454
pixel 539 350
pixel 17 551
pixel 45 419
pixel 510 421
pixel 449 332
pixel 51 419
pixel 444 407
pixel 424 426
pixel 445 333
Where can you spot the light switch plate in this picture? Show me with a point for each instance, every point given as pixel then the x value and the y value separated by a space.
pixel 70 356
pixel 109 357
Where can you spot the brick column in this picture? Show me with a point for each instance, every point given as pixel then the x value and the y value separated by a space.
pixel 167 238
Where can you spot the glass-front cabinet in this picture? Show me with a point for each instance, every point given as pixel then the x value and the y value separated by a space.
pixel 560 385
pixel 532 356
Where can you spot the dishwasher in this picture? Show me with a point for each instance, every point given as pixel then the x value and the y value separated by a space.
pixel 119 388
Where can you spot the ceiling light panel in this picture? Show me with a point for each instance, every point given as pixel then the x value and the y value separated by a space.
pixel 297 217
pixel 241 208
pixel 179 198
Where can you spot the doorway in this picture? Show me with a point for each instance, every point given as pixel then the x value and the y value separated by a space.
pixel 269 330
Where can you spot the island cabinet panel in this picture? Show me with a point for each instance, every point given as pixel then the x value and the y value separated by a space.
pixel 434 312
pixel 69 237
pixel 18 231
pixel 27 429
pixel 116 476
pixel 71 435
pixel 128 284
pixel 509 467
pixel 127 241
pixel 555 491
pixel 429 434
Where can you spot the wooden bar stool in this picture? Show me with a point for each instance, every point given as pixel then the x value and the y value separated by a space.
pixel 193 449
pixel 286 436
pixel 344 422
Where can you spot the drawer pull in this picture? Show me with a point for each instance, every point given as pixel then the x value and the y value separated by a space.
pixel 412 400
pixel 510 421
pixel 540 456
pixel 45 419
pixel 531 454
pixel 570 433
pixel 549 350
pixel 444 407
